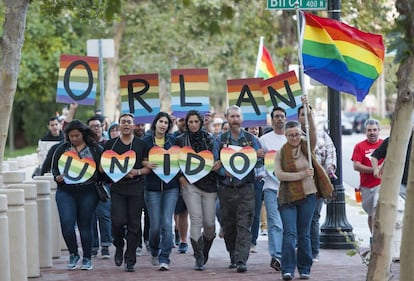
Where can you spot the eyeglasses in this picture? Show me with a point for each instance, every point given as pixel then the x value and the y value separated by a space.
pixel 277 116
pixel 295 136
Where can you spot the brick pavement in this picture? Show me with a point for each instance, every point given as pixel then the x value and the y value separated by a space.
pixel 333 265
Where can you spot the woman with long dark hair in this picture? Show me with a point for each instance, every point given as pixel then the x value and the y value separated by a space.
pixel 160 197
pixel 200 196
pixel 75 169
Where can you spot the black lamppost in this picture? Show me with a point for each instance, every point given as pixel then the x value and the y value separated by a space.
pixel 336 231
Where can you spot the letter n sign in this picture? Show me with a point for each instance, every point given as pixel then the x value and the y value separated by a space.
pixel 77 79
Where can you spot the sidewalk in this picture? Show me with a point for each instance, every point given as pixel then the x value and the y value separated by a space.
pixel 333 265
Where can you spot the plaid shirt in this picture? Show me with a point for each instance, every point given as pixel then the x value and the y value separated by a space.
pixel 325 150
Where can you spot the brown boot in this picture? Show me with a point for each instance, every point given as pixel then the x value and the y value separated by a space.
pixel 207 246
pixel 198 247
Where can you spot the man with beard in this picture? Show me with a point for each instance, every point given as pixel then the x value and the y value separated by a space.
pixel 237 197
pixel 369 184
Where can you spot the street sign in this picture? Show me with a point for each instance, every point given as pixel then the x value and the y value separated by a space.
pixel 303 4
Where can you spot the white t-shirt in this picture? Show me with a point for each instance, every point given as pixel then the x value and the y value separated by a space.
pixel 272 141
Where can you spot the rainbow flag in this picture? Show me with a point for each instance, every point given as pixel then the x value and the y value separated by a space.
pixel 340 56
pixel 264 65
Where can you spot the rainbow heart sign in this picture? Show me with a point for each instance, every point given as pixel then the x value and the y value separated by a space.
pixel 117 166
pixel 238 162
pixel 75 170
pixel 166 160
pixel 269 162
pixel 195 165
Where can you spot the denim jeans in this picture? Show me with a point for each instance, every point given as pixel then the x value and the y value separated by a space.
pixel 102 231
pixel 315 231
pixel 258 194
pixel 296 218
pixel 161 206
pixel 274 223
pixel 76 206
pixel 201 206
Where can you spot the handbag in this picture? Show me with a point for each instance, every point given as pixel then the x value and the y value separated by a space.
pixel 103 193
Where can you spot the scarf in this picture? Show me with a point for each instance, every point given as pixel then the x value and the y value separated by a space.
pixel 199 140
pixel 291 191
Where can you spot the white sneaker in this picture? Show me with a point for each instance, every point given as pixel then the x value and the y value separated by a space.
pixel 164 267
pixel 264 232
pixel 139 252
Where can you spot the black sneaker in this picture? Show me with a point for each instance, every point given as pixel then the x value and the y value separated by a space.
pixel 129 267
pixel 275 264
pixel 182 248
pixel 105 253
pixel 241 267
pixel 119 256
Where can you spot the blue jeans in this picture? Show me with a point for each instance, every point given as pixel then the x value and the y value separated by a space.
pixel 161 206
pixel 274 223
pixel 296 218
pixel 76 206
pixel 102 229
pixel 314 233
pixel 258 193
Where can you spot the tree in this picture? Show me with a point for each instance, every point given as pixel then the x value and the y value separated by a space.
pixel 379 266
pixel 10 51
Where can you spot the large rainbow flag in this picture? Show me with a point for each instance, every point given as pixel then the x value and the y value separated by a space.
pixel 341 56
pixel 264 65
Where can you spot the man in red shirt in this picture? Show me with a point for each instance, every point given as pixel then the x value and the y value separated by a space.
pixel 361 157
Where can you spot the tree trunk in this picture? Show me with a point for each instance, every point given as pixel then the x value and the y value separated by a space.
pixel 401 130
pixel 10 51
pixel 112 77
pixel 407 246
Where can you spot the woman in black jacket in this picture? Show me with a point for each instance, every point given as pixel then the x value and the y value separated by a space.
pixel 75 169
pixel 200 196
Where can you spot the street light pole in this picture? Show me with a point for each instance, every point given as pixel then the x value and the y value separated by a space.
pixel 336 231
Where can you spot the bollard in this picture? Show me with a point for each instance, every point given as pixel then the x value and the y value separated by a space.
pixel 44 222
pixel 12 177
pixel 55 223
pixel 32 228
pixel 12 164
pixel 17 233
pixel 4 241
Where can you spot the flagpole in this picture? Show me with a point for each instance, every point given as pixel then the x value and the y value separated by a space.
pixel 300 27
pixel 259 56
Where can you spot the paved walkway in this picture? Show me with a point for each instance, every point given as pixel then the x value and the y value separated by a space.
pixel 334 265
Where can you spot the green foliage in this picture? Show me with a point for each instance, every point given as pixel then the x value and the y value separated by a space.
pixel 160 35
pixel 20 152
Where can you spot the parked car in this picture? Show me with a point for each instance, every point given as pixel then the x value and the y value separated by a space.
pixel 346 125
pixel 359 122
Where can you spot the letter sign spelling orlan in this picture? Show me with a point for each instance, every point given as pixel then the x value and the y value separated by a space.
pixel 77 80
pixel 286 88
pixel 189 90
pixel 247 94
pixel 140 96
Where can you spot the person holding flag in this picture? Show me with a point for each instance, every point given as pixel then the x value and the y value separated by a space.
pixel 301 178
